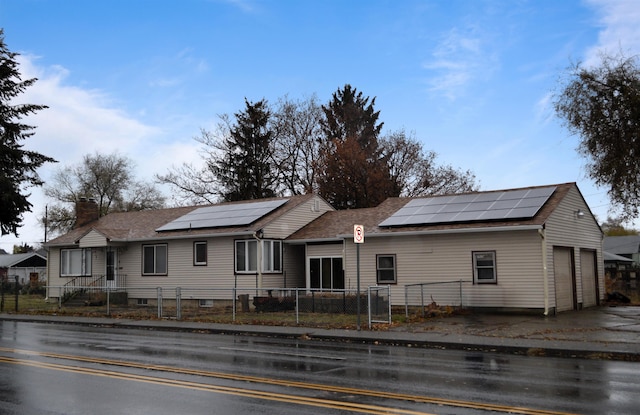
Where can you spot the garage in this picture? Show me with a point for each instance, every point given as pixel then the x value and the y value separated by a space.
pixel 564 278
pixel 589 278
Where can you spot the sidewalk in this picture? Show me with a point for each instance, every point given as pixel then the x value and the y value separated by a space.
pixel 598 333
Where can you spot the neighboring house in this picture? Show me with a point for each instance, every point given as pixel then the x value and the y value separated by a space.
pixel 28 267
pixel 536 248
pixel 627 246
pixel 622 260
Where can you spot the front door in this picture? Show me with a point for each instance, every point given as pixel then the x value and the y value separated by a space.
pixel 112 269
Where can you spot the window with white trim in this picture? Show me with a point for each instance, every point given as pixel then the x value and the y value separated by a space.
pixel 200 253
pixel 75 262
pixel 154 259
pixel 484 267
pixel 386 269
pixel 247 256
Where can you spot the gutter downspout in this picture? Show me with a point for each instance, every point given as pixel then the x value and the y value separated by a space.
pixel 545 272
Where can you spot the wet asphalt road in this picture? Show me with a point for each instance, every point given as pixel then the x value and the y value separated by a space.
pixel 66 369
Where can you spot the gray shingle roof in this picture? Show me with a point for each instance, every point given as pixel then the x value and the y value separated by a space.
pixel 629 244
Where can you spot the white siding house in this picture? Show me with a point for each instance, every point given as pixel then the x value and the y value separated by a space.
pixel 536 249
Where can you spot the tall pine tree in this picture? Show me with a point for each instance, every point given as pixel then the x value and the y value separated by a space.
pixel 17 165
pixel 246 169
pixel 354 173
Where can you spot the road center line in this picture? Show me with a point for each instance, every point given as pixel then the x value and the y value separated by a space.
pixel 296 384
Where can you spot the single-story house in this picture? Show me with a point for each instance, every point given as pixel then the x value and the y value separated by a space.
pixel 627 246
pixel 622 260
pixel 535 248
pixel 28 267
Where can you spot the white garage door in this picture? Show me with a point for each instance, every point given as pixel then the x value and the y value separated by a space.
pixel 563 271
pixel 589 278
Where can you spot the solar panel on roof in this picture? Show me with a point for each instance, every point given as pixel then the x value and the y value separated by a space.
pixel 501 205
pixel 218 216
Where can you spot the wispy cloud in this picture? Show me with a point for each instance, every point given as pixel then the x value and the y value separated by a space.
pixel 78 121
pixel 458 59
pixel 620 33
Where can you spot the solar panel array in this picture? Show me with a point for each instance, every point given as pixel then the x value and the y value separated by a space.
pixel 500 205
pixel 233 214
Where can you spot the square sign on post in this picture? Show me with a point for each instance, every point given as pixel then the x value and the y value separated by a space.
pixel 358 234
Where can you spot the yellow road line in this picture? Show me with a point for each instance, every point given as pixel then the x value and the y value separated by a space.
pixel 301 385
pixel 293 399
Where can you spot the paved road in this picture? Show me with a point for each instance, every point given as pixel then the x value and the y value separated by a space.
pixel 68 369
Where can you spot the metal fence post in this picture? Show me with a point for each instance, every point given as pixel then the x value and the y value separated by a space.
pixel 233 302
pixel 178 303
pixel 369 305
pixel 17 292
pixel 389 301
pixel 108 301
pixel 159 302
pixel 297 306
pixel 406 301
pixel 422 300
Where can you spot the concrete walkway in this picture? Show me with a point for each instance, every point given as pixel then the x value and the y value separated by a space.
pixel 597 333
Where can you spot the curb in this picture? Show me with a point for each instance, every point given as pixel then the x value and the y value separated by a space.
pixel 307 333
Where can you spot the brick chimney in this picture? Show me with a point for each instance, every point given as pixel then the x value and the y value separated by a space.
pixel 87 211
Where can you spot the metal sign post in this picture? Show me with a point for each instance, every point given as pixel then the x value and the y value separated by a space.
pixel 358 238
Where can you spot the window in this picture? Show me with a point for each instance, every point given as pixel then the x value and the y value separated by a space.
pixel 247 256
pixel 484 267
pixel 326 273
pixel 154 259
pixel 271 256
pixel 386 269
pixel 205 303
pixel 199 253
pixel 75 262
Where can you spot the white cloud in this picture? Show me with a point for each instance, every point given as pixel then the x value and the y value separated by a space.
pixel 78 121
pixel 457 60
pixel 620 21
pixel 83 121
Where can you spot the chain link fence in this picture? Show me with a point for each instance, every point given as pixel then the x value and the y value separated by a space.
pixel 430 297
pixel 281 306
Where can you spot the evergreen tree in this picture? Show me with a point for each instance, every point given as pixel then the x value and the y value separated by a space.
pixel 246 169
pixel 17 165
pixel 354 172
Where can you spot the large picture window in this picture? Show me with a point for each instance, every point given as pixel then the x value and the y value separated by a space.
pixel 247 256
pixel 154 259
pixel 75 262
pixel 484 267
pixel 386 269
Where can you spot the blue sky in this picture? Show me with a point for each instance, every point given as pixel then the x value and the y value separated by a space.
pixel 471 79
